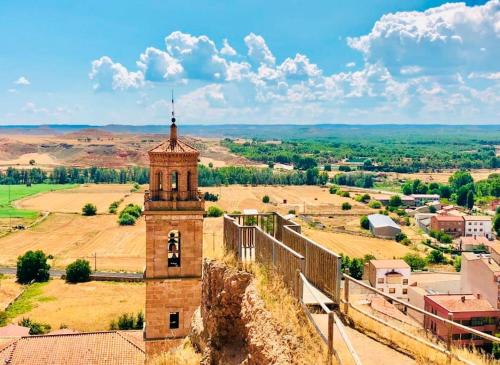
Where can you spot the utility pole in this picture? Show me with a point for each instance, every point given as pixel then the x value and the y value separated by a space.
pixel 95 261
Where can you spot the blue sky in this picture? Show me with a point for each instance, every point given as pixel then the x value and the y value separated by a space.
pixel 373 61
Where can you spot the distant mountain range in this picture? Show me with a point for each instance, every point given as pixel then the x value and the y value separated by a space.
pixel 278 131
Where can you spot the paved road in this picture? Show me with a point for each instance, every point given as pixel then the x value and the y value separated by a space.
pixel 98 274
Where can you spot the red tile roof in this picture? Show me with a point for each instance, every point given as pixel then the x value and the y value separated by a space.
pixel 178 147
pixel 454 303
pixel 448 218
pixel 96 348
pixel 13 330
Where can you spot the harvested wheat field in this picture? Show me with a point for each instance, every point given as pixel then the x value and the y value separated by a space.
pixel 72 201
pixel 71 236
pixel 357 246
pixel 9 290
pixel 442 177
pixel 86 306
pixel 314 198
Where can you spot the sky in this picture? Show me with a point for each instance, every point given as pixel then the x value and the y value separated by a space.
pixel 258 62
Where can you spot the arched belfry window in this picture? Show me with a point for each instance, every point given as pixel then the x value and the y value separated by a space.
pixel 174 249
pixel 175 181
pixel 189 181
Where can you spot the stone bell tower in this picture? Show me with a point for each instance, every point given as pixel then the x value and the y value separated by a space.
pixel 173 210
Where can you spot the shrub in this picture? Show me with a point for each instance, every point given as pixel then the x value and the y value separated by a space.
pixel 327 167
pixel 3 318
pixel 265 199
pixel 135 188
pixel 346 206
pixel 78 271
pixel 214 211
pixel 345 194
pixel 395 201
pixel 133 209
pixel 126 220
pixel 415 261
pixel 89 209
pixel 364 222
pixel 36 328
pixel 114 206
pixel 365 198
pixel 432 209
pixel 333 189
pixel 400 236
pixel 344 168
pixel 210 197
pixel 435 257
pixel 375 204
pixel 457 263
pixel 32 266
pixel 128 321
pixel 292 211
pixel 406 241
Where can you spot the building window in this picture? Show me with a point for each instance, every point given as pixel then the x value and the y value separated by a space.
pixel 405 291
pixel 392 290
pixel 175 181
pixel 380 280
pixel 476 321
pixel 174 320
pixel 189 181
pixel 160 181
pixel 174 249
pixel 405 281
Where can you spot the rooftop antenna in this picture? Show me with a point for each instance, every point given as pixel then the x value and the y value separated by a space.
pixel 173 127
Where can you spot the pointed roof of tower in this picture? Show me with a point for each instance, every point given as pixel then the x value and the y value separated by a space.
pixel 173 144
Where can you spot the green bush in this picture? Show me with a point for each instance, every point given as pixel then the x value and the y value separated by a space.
pixel 265 199
pixel 126 220
pixel 3 318
pixel 78 271
pixel 457 263
pixel 364 222
pixel 32 266
pixel 89 209
pixel 375 204
pixel 113 207
pixel 128 321
pixel 395 201
pixel 214 211
pixel 435 257
pixel 133 209
pixel 345 194
pixel 400 236
pixel 415 261
pixel 346 206
pixel 292 211
pixel 209 197
pixel 333 189
pixel 36 328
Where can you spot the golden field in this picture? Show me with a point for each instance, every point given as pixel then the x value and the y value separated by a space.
pixel 9 290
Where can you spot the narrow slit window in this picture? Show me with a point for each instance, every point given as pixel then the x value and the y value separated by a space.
pixel 189 181
pixel 160 181
pixel 174 320
pixel 175 181
pixel 174 249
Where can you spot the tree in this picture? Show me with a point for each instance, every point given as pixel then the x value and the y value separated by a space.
pixel 346 206
pixel 327 167
pixel 432 209
pixel 435 257
pixel 459 179
pixel 395 201
pixel 415 261
pixel 32 162
pixel 364 222
pixel 375 204
pixel 78 271
pixel 400 237
pixel 470 199
pixel 265 199
pixel 356 268
pixel 32 266
pixel 89 209
pixel 445 191
pixel 214 211
pixel 496 224
pixel 36 328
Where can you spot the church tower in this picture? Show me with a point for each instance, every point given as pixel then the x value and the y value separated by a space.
pixel 173 210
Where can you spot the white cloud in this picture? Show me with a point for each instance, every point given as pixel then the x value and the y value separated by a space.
pixel 258 51
pixel 108 75
pixel 299 68
pixel 22 81
pixel 350 64
pixel 442 38
pixel 159 66
pixel 198 55
pixel 227 50
pixel 410 70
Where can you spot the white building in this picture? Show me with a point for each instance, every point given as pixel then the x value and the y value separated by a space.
pixel 421 199
pixel 476 225
pixel 383 226
pixel 390 276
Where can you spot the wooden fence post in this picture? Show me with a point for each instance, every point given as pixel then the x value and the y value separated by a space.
pixel 346 295
pixel 449 336
pixel 331 324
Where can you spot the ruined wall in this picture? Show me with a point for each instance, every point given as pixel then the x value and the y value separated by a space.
pixel 233 326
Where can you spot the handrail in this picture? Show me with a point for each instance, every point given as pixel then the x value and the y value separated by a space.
pixel 281 244
pixel 422 311
pixel 314 243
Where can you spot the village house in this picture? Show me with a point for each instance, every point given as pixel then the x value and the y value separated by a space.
pixel 472 243
pixel 423 220
pixel 390 276
pixel 478 226
pixel 383 226
pixel 467 309
pixel 480 274
pixel 452 225
pixel 421 199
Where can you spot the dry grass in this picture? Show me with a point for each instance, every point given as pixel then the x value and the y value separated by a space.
pixel 9 289
pixel 285 309
pixel 182 355
pixel 86 306
pixel 423 354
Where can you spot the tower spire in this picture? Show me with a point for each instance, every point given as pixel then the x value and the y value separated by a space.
pixel 173 127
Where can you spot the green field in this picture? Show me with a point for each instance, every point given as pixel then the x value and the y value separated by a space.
pixel 8 194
